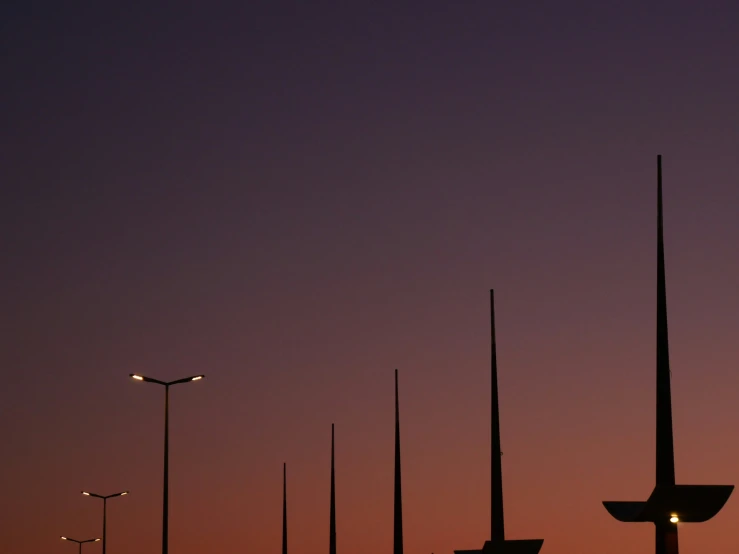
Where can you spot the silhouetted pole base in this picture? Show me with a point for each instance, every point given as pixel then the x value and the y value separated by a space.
pixel 665 536
pixel 525 546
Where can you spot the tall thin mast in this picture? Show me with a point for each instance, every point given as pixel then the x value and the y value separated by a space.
pixel 284 508
pixel 332 516
pixel 669 505
pixel 665 451
pixel 498 543
pixel 398 507
pixel 497 527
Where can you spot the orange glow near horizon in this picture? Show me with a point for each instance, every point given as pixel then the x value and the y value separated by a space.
pixel 301 197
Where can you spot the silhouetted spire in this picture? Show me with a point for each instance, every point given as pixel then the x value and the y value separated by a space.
pixel 497 527
pixel 669 504
pixel 284 508
pixel 332 516
pixel 398 512
pixel 498 543
pixel 665 450
pixel 666 537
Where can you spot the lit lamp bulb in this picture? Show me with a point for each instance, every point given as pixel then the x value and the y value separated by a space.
pixel 674 518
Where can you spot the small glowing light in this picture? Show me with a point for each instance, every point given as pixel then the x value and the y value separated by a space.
pixel 674 518
pixel 96 540
pixel 197 378
pixel 124 493
pixel 64 538
pixel 86 493
pixel 138 377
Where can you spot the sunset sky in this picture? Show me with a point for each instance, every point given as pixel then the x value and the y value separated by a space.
pixel 296 198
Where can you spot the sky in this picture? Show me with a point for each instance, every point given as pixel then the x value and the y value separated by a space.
pixel 296 198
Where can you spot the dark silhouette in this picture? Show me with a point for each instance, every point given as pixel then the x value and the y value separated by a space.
pixel 498 543
pixel 332 514
pixel 669 503
pixel 398 505
pixel 284 508
pixel 165 495
pixel 497 523
pixel 79 543
pixel 105 510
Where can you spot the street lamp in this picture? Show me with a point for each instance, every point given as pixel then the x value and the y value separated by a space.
pixel 165 499
pixel 80 543
pixel 105 509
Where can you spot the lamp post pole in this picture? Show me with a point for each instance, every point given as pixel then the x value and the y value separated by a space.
pixel 165 494
pixel 105 498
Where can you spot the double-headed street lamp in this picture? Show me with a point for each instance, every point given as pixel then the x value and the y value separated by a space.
pixel 165 500
pixel 105 509
pixel 80 543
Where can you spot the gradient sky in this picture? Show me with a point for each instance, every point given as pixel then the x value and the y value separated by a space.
pixel 295 198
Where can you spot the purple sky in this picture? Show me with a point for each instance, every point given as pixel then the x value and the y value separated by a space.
pixel 295 198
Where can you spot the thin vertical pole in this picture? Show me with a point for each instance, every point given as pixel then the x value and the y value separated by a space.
pixel 332 515
pixel 165 495
pixel 665 470
pixel 398 506
pixel 665 532
pixel 284 508
pixel 497 527
pixel 105 517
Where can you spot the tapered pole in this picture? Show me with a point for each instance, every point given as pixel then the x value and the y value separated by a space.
pixel 284 508
pixel 105 518
pixel 165 495
pixel 665 471
pixel 497 527
pixel 398 506
pixel 332 514
pixel 665 533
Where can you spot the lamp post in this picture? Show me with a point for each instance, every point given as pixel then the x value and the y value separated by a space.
pixel 80 543
pixel 165 499
pixel 105 509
